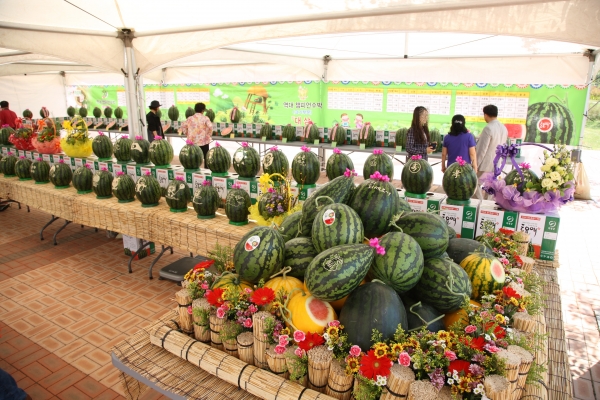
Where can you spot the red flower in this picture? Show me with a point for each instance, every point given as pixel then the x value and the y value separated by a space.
pixel 474 343
pixel 371 365
pixel 215 297
pixel 498 330
pixel 262 296
pixel 311 340
pixel 507 232
pixel 510 292
pixel 459 366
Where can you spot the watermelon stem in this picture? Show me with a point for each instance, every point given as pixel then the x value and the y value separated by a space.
pixel 561 101
pixel 396 218
pixel 284 271
pixel 323 197
pixel 421 318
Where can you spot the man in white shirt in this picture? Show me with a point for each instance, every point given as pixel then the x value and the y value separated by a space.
pixel 494 134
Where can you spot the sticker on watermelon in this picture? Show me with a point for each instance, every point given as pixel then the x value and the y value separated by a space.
pixel 329 217
pixel 252 243
pixel 545 124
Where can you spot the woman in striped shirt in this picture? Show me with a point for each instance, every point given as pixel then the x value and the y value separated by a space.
pixel 417 138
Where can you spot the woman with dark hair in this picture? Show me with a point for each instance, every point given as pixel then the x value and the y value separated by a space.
pixel 459 142
pixel 198 128
pixel 417 137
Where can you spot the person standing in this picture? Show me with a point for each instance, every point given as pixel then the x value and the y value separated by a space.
pixel 7 117
pixel 417 137
pixel 494 134
pixel 459 142
pixel 153 121
pixel 198 129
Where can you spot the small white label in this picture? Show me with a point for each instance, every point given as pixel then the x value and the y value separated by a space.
pixel 468 225
pixel 550 235
pixel 329 217
pixel 252 243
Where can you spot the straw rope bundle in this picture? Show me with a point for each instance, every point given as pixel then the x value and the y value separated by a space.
pixel 528 263
pixel 216 324
pixel 185 318
pixel 398 382
pixel 512 362
pixel 201 332
pixel 422 390
pixel 276 362
pixel 230 343
pixel 339 384
pixel 245 347
pixel 539 390
pixel 524 322
pixel 260 340
pixel 290 357
pixel 319 362
pixel 497 387
pixel 445 394
pixel 526 361
pixel 522 242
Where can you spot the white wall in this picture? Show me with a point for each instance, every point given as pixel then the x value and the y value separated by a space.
pixel 34 92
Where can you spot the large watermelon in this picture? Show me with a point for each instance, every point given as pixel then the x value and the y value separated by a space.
pixel 401 266
pixel 71 111
pixel 173 113
pixel 206 200
pixel 337 134
pixel 444 285
pixel 336 224
pixel 23 168
pixel 311 133
pixel 306 168
pixel 401 137
pixel 102 184
pixel 403 206
pixel 259 254
pixel 486 273
pixel 378 161
pixel 235 115
pixel 299 253
pixel 10 161
pixel 5 133
pixel 140 150
pixel 266 131
pixel 161 152
pixel 367 135
pixel 417 175
pixel 337 164
pixel 40 171
pixel 289 133
pixel 148 190
pixel 178 194
pixel 549 122
pixel 429 230
pixel 459 248
pixel 337 271
pixel 61 175
pixel 291 225
pixel 422 315
pixel 460 180
pixel 376 201
pixel 191 156
pixel 373 305
pixel 122 149
pixel 275 162
pixel 123 187
pixel 108 112
pixel 83 112
pixel 97 112
pixel 189 112
pixel 102 146
pixel 82 179
pixel 119 113
pixel 237 205
pixel 246 161
pixel 218 159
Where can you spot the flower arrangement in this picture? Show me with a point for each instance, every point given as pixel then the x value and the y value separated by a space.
pixel 23 136
pixel 276 202
pixel 77 142
pixel 48 140
pixel 502 245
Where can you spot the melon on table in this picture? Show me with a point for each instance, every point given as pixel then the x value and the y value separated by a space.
pixel 515 131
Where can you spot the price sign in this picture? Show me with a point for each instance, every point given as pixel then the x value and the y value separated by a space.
pixel 452 218
pixel 197 180
pixel 131 172
pixel 531 228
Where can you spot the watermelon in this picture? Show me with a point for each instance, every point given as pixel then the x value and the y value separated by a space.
pixel 206 200
pixel 403 206
pixel 235 115
pixel 266 131
pixel 218 159
pixel 306 168
pixel 417 175
pixel 451 235
pixel 429 230
pixel 275 162
pixel 311 133
pixel 40 171
pixel 459 248
pixel 102 147
pixel 246 161
pixel 366 135
pixel 486 273
pixel 272 204
pixel 82 179
pixel 460 180
pixel 83 112
pixel 123 188
pixel 27 113
pixel 299 253
pixel 444 285
pixel 289 133
pixel 290 226
pixel 210 114
pixel 336 224
pixel 44 113
pixel 118 112
pixel 2 162
pixel 60 175
pixel 108 112
pixel 5 133
pixel 102 184
pixel 435 137
pixel 378 161
pixel 191 156
pixel 173 113
pixel 337 271
pixel 401 137
pixel 422 315
pixel 514 178
pixel 373 305
pixel 10 161
pixel 259 254
pixel 178 194
pixel 401 266
pixel 97 112
pixel 549 122
pixel 122 149
pixel 71 111
pixel 189 112
pixel 337 134
pixel 237 205
pixel 337 164
pixel 140 148
pixel 148 190
pixel 22 168
pixel 376 202
pixel 161 152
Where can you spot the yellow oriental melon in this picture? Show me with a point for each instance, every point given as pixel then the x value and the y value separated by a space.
pixel 460 315
pixel 308 313
pixel 287 283
pixel 232 281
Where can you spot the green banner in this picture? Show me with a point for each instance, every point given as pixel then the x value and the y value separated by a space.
pixel 540 113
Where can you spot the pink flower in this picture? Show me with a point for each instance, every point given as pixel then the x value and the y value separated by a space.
pixel 381 251
pixel 148 173
pixel 217 144
pixel 504 261
pixel 525 165
pixel 337 151
pixel 189 142
pixel 519 281
pixel 124 137
pixel 470 329
pixel 491 348
pixel 417 157
pixel 39 159
pixel 103 169
pixel 284 340
pixel 21 157
pixel 101 133
pixel 334 323
pixel 374 242
pixel 179 178
pixel 305 149
pixel 404 359
pixel 138 137
pixel 206 183
pixel 248 290
pixel 279 349
pixel 252 308
pixel 349 173
pixel 236 186
pixel 274 148
pixel 450 355
pixel 460 161
pixel 220 313
pixel 499 308
pixel 496 239
pixel 355 351
pixel 484 314
pixel 377 151
pixel 248 323
pixel 190 310
pixel 244 144
pixel 204 285
pixel 120 173
pixel 299 336
pixel 61 161
pixel 157 137
pixel 299 352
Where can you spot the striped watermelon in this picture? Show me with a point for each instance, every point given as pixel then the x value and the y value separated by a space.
pixel 336 224
pixel 417 175
pixel 311 133
pixel 306 168
pixel 140 150
pixel 237 205
pixel 444 285
pixel 148 190
pixel 486 273
pixel 436 137
pixel 375 201
pixel 259 254
pixel 40 171
pixel 119 113
pixel 460 180
pixel 235 115
pixel 366 135
pixel 102 146
pixel 337 134
pixel 337 164
pixel 403 206
pixel 102 184
pixel 5 134
pixel 97 112
pixel 429 230
pixel 22 168
pixel 173 113
pixel 60 175
pixel 299 253
pixel 1 164
pixel 218 159
pixel 514 178
pixel 379 161
pixel 290 226
pixel 289 133
pixel 401 137
pixel 71 111
pixel 191 156
pixel 82 179
pixel 266 131
pixel 549 122
pixel 122 149
pixel 402 264
pixel 178 194
pixel 275 162
pixel 189 112
pixel 108 112
pixel 210 114
pixel 27 113
pixel 337 271
pixel 83 112
pixel 206 201
pixel 161 152
pixel 451 235
pixel 10 161
pixel 123 188
pixel 246 161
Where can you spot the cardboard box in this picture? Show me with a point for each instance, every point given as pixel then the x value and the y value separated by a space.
pixel 223 184
pixel 132 244
pixel 489 211
pixel 302 192
pixel 250 186
pixel 431 202
pixel 461 218
pixel 543 230
pixel 132 172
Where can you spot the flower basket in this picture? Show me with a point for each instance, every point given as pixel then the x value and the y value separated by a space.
pixel 77 142
pixel 47 141
pixel 79 150
pixel 22 143
pixel 51 147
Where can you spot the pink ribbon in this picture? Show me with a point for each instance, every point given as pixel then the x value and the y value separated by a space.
pixel 375 244
pixel 337 151
pixel 378 177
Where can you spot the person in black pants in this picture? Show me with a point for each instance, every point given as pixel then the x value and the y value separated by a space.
pixel 154 125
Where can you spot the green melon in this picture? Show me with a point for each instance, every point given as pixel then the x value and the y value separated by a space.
pixel 235 115
pixel 337 164
pixel 10 161
pixel 289 133
pixel 460 181
pixel 299 253
pixel 83 112
pixel 27 113
pixel 306 168
pixel 97 112
pixel 44 112
pixel 429 230
pixel 122 149
pixel 82 179
pixel 378 161
pixel 367 135
pixel 191 156
pixel 336 224
pixel 550 122
pixel 123 188
pixel 401 137
pixel 237 205
pixel 206 201
pixel 210 114
pixel 173 113
pixel 61 175
pixel 108 112
pixel 22 168
pixel 71 111
pixel 486 273
pixel 417 176
pixel 376 202
pixel 422 315
pixel 102 184
pixel 266 131
pixel 259 254
pixel 459 248
pixel 189 112
pixel 119 113
pixel 5 133
pixel 311 133
pixel 218 159
pixel 148 190
pixel 275 162
pixel 246 161
pixel 514 178
pixel 40 171
pixel 337 134
pixel 102 146
pixel 291 226
pixel 178 195
pixel 140 149
pixel 160 152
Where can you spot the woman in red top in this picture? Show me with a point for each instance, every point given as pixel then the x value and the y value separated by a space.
pixel 7 117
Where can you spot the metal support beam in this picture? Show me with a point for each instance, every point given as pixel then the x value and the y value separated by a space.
pixel 593 57
pixel 326 60
pixel 130 71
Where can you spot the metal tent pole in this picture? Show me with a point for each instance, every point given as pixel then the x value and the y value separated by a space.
pixel 133 113
pixel 593 57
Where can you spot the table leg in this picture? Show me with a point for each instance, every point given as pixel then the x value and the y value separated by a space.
pixel 47 225
pixel 135 254
pixel 158 258
pixel 60 229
